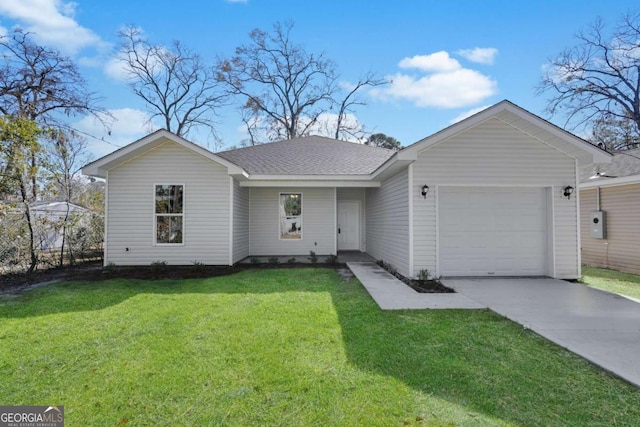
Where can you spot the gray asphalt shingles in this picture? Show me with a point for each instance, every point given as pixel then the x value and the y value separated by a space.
pixel 624 163
pixel 312 155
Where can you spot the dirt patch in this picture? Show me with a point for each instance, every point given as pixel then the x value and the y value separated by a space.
pixel 19 281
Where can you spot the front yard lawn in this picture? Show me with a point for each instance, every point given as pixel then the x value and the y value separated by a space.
pixel 612 281
pixel 286 347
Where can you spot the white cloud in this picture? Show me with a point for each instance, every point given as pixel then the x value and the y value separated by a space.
pixel 441 82
pixel 481 55
pixel 123 126
pixel 116 69
pixel 435 62
pixel 460 88
pixel 52 22
pixel 91 61
pixel 468 113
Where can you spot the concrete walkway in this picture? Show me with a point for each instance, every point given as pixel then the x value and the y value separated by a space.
pixel 391 294
pixel 603 328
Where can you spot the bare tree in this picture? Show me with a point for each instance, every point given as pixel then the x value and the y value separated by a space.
pixel 351 100
pixel 174 82
pixel 288 92
pixel 599 77
pixel 40 84
pixel 284 87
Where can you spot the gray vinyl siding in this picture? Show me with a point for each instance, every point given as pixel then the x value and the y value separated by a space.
pixel 387 213
pixel 240 222
pixel 318 222
pixel 621 249
pixel 131 202
pixel 495 154
pixel 359 195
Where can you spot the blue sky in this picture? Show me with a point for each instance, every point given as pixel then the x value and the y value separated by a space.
pixel 446 59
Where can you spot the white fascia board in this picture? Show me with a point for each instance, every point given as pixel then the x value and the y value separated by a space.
pixel 599 156
pixel 310 177
pixel 242 176
pixel 305 182
pixel 610 182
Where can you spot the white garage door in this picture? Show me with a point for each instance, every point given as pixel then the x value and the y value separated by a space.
pixel 492 231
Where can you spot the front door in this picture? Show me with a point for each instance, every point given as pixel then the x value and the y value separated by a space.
pixel 348 226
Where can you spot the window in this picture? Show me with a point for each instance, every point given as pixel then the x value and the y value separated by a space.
pixel 291 216
pixel 169 214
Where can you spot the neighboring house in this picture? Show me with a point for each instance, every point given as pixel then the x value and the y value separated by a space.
pixel 483 197
pixel 49 220
pixel 615 190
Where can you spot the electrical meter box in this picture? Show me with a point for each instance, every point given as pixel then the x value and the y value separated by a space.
pixel 598 225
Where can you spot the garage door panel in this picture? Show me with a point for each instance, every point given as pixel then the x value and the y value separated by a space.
pixel 492 231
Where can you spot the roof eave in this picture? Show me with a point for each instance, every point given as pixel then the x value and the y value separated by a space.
pixel 342 177
pixel 610 182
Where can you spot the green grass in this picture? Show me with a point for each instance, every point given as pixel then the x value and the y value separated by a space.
pixel 612 281
pixel 294 347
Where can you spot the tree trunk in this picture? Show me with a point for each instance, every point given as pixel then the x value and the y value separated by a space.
pixel 27 215
pixel 64 234
pixel 34 179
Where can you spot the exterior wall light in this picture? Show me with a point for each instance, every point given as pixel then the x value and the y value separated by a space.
pixel 425 190
pixel 568 191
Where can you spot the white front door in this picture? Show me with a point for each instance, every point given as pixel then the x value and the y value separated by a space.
pixel 348 226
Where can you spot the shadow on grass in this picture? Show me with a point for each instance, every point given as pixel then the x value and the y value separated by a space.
pixel 474 359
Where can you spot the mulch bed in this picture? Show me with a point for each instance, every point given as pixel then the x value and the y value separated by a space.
pixel 94 270
pixel 420 286
pixel 428 286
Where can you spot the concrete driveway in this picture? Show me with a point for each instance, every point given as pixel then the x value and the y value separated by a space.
pixel 601 327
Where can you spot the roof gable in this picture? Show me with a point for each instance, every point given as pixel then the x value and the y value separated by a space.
pixel 523 121
pixel 100 167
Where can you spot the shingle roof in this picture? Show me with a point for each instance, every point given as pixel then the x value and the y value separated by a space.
pixel 311 155
pixel 624 163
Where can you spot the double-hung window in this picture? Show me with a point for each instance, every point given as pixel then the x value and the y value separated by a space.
pixel 291 216
pixel 169 214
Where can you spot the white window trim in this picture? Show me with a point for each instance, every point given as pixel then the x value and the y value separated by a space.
pixel 155 216
pixel 280 194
